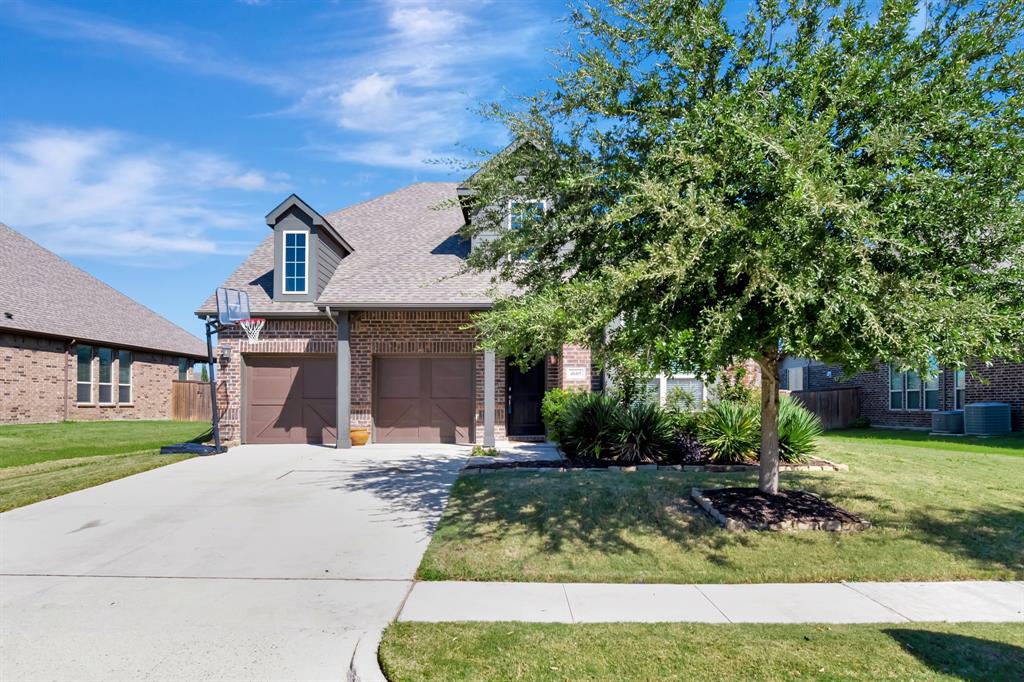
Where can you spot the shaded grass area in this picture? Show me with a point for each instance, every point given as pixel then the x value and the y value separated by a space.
pixel 40 481
pixel 619 651
pixel 938 514
pixel 22 444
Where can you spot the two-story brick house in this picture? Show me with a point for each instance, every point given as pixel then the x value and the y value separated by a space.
pixel 369 325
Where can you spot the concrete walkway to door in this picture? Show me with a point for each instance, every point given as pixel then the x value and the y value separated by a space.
pixel 267 562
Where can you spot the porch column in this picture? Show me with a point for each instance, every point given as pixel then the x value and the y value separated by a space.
pixel 344 400
pixel 489 398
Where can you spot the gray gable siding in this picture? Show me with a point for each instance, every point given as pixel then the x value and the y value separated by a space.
pixel 328 256
pixel 294 221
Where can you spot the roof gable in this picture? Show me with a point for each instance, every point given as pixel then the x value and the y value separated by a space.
pixel 295 203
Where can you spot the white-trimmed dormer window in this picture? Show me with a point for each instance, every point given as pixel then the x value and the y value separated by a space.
pixel 520 211
pixel 296 262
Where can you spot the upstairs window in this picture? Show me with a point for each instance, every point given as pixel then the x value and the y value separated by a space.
pixel 295 262
pixel 521 213
pixel 106 395
pixel 124 376
pixel 83 390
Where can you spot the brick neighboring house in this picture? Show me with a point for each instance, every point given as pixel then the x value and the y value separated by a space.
pixel 368 325
pixel 73 348
pixel 902 399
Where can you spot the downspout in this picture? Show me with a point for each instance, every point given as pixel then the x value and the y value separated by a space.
pixel 67 361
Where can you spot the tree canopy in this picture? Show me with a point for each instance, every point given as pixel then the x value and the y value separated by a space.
pixel 837 180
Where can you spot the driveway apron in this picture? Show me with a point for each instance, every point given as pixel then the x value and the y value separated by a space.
pixel 266 562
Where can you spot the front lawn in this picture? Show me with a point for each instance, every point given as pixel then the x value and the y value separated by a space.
pixel 939 514
pixel 675 651
pixel 40 461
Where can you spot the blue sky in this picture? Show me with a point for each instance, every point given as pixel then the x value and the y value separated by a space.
pixel 146 141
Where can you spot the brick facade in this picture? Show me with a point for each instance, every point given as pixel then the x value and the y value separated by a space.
pixel 999 382
pixel 33 383
pixel 381 333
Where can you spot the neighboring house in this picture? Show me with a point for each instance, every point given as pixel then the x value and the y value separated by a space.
pixel 892 398
pixel 368 325
pixel 73 348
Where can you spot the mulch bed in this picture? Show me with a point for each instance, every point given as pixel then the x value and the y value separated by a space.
pixel 749 508
pixel 589 463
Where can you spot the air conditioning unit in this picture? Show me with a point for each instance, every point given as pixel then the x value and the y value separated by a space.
pixel 949 421
pixel 987 419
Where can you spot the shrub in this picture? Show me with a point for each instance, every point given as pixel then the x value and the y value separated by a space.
pixel 799 430
pixel 552 411
pixel 685 448
pixel 680 407
pixel 730 430
pixel 480 451
pixel 643 432
pixel 588 426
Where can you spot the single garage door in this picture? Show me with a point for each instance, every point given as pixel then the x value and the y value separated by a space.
pixel 291 399
pixel 423 400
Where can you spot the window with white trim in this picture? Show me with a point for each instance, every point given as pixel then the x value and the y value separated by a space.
pixel 296 262
pixel 909 391
pixel 958 391
pixel 124 377
pixel 105 385
pixel 522 212
pixel 83 387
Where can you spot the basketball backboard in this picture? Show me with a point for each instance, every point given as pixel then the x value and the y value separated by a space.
pixel 232 305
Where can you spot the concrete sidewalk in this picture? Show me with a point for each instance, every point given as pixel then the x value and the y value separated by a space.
pixel 768 603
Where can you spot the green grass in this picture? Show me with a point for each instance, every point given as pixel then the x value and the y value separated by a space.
pixel 40 461
pixel 23 444
pixel 938 514
pixel 618 651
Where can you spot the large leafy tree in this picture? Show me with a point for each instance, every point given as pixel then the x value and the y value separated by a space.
pixel 830 179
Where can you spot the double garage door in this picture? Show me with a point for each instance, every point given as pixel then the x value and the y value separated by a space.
pixel 292 399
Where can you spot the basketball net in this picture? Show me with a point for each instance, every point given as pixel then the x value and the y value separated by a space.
pixel 252 327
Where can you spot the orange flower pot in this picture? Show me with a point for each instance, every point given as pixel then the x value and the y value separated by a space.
pixel 359 436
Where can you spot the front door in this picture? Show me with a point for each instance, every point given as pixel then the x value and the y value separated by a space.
pixel 525 392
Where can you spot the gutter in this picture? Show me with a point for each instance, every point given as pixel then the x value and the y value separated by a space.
pixel 67 362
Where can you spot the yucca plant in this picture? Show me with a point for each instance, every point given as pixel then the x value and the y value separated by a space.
pixel 799 431
pixel 589 425
pixel 643 431
pixel 731 431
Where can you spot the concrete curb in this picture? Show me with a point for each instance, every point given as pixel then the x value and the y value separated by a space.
pixel 364 666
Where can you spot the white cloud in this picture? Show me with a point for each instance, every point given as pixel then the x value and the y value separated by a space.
pixel 70 24
pixel 423 23
pixel 104 193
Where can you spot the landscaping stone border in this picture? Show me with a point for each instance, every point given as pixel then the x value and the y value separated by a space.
pixel 735 525
pixel 818 465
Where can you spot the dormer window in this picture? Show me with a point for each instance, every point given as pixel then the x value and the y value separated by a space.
pixel 296 262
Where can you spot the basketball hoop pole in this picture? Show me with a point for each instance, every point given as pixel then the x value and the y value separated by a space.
pixel 212 328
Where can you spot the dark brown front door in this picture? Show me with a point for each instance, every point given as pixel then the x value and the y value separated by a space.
pixel 525 392
pixel 290 399
pixel 423 400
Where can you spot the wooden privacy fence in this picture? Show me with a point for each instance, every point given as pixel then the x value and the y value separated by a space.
pixel 837 408
pixel 190 400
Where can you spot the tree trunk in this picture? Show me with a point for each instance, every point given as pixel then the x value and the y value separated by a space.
pixel 768 476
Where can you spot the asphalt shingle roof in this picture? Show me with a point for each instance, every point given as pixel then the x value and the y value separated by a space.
pixel 41 293
pixel 407 252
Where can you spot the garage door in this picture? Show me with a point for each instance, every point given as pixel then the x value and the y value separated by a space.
pixel 423 400
pixel 290 399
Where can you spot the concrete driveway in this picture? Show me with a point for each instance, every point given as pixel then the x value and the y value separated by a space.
pixel 266 562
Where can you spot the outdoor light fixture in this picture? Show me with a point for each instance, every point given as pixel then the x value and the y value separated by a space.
pixel 224 352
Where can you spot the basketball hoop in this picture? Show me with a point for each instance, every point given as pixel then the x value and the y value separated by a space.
pixel 252 327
